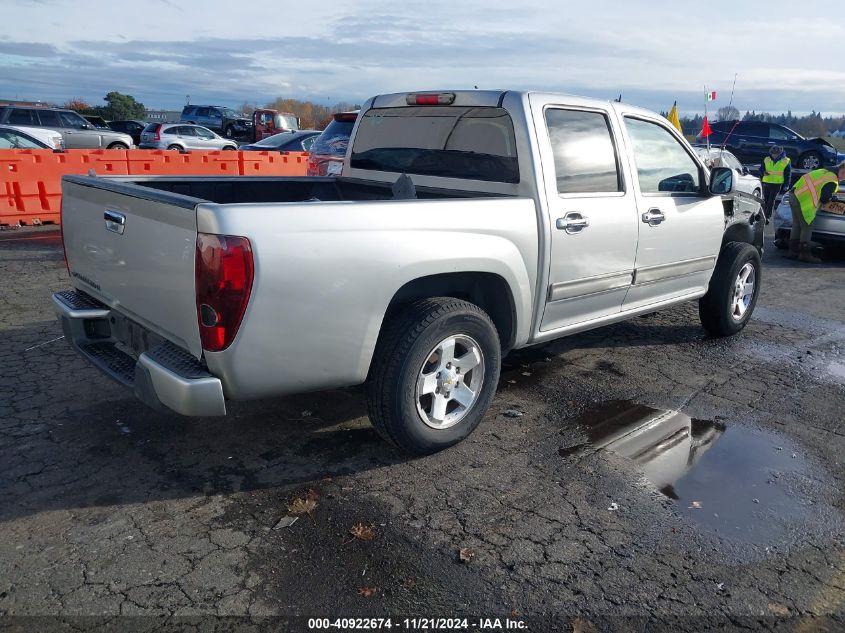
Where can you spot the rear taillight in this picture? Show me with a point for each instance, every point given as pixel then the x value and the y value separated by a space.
pixel 158 132
pixel 224 274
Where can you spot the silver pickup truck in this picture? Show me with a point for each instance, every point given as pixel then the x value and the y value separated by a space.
pixel 465 224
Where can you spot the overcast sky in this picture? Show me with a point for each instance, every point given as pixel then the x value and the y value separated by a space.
pixel 787 54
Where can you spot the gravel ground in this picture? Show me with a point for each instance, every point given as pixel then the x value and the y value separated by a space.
pixel 579 504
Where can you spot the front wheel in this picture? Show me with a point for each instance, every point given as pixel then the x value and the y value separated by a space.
pixel 433 374
pixel 811 161
pixel 734 287
pixel 118 146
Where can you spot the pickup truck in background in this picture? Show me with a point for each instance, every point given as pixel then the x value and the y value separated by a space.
pixel 465 224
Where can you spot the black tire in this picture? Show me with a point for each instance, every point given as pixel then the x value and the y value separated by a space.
pixel 758 193
pixel 178 148
pixel 810 161
pixel 230 148
pixel 228 132
pixel 118 146
pixel 406 342
pixel 716 308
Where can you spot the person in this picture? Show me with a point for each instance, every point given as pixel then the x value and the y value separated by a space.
pixel 777 176
pixel 810 191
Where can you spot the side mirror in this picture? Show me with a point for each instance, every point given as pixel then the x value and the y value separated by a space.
pixel 721 181
pixel 744 170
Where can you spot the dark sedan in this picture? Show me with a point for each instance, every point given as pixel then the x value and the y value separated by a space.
pixel 297 141
pixel 130 127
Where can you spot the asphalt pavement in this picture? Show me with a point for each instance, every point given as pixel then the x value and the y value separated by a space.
pixel 638 477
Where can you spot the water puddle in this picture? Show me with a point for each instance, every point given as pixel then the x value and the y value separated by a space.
pixel 734 480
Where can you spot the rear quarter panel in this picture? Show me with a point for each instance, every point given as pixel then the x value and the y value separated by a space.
pixel 325 275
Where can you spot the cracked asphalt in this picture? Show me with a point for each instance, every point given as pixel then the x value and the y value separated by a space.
pixel 109 509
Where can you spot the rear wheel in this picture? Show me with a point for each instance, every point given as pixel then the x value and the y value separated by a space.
pixel 734 287
pixel 811 161
pixel 175 147
pixel 229 132
pixel 118 146
pixel 230 148
pixel 433 374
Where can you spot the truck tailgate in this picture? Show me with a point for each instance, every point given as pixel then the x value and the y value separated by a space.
pixel 133 248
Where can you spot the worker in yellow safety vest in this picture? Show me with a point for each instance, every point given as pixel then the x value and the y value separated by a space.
pixel 776 177
pixel 810 191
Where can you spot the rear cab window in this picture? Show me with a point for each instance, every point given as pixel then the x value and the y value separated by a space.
pixel 466 142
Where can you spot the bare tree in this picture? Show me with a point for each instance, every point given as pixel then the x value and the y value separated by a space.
pixel 727 113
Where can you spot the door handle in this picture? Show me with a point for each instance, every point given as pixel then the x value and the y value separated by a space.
pixel 115 222
pixel 653 217
pixel 573 223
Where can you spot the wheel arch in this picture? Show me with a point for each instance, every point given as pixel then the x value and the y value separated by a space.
pixel 489 291
pixel 744 232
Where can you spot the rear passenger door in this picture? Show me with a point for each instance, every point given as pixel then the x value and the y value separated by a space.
pixel 680 223
pixel 592 214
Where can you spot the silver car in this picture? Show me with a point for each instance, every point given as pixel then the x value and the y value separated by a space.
pixel 182 137
pixel 743 180
pixel 75 130
pixel 828 227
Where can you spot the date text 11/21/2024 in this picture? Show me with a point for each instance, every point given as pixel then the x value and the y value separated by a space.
pixel 417 624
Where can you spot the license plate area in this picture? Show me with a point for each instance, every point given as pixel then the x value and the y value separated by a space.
pixel 836 208
pixel 133 338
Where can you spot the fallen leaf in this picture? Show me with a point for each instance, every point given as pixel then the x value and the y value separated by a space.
pixel 302 505
pixel 312 495
pixel 366 591
pixel 514 613
pixel 778 609
pixel 362 532
pixel 466 554
pixel 580 625
pixel 409 583
pixel 513 413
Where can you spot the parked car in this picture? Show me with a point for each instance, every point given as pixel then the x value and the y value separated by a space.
pixel 744 180
pixel 328 150
pixel 97 121
pixel 750 141
pixel 466 224
pixel 131 127
pixel 16 137
pixel 828 226
pixel 217 118
pixel 285 142
pixel 182 137
pixel 75 130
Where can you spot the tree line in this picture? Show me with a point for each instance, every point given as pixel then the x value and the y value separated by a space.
pixel 809 125
pixel 119 106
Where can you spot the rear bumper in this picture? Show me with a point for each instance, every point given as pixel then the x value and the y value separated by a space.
pixel 163 377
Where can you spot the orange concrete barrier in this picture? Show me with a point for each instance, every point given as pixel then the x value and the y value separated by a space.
pixel 30 180
pixel 274 163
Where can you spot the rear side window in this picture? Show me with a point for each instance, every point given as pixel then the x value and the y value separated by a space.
pixel 752 128
pixel 585 157
pixel 50 118
pixel 70 119
pixel 474 143
pixel 19 116
pixel 663 165
pixel 202 111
